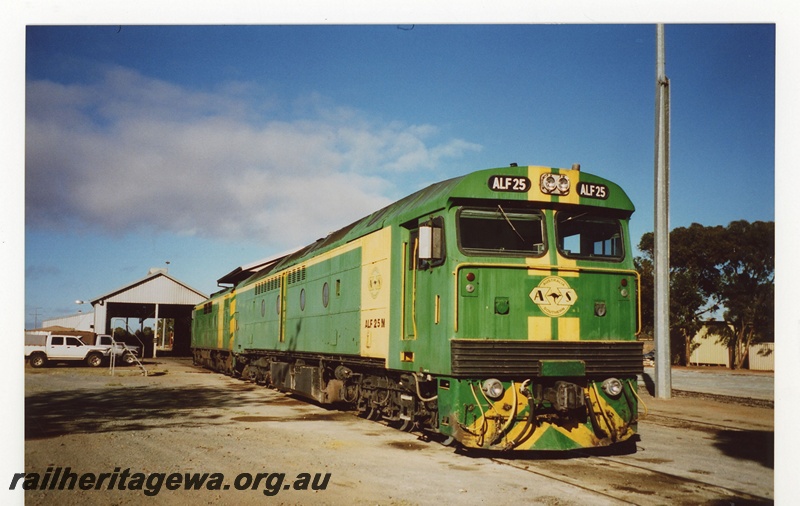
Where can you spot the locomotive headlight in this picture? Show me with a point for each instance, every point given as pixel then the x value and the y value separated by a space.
pixel 554 184
pixel 493 388
pixel 600 309
pixel 612 386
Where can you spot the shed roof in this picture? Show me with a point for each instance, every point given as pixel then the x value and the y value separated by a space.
pixel 157 287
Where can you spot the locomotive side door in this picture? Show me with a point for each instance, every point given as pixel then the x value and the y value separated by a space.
pixel 422 300
pixel 409 285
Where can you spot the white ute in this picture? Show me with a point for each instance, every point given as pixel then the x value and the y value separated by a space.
pixel 120 350
pixel 56 348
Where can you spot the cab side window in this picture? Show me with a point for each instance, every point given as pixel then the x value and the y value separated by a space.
pixel 427 244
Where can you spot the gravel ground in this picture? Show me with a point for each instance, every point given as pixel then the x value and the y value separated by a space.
pixel 182 419
pixel 256 446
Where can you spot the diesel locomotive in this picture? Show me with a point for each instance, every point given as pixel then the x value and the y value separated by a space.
pixel 498 309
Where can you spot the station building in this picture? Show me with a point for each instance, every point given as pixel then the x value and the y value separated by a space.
pixel 157 297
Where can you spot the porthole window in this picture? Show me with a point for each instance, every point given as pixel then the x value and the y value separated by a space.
pixel 302 299
pixel 263 308
pixel 326 293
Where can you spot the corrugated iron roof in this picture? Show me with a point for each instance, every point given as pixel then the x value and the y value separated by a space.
pixel 148 289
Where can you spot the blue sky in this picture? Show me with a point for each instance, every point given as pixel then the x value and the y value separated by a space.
pixel 211 147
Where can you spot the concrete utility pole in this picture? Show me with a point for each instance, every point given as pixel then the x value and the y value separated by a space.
pixel 663 379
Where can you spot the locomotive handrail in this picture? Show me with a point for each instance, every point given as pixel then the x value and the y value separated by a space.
pixel 577 269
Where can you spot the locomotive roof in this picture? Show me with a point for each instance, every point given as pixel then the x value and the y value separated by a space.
pixel 437 196
pixel 245 271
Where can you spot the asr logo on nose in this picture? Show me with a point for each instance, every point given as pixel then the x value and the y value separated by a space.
pixel 554 296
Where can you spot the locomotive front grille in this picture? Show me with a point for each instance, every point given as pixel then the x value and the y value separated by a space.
pixel 507 358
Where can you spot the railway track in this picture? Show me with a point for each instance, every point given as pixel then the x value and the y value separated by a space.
pixel 650 476
pixel 678 461
pixel 743 401
pixel 623 482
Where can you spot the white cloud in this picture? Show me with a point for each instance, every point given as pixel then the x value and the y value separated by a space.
pixel 133 153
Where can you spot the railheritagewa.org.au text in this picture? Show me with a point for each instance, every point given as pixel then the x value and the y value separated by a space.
pixel 151 484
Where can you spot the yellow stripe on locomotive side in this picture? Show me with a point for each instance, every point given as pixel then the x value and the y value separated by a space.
pixel 376 293
pixel 233 325
pixel 328 255
pixel 317 259
pixel 220 320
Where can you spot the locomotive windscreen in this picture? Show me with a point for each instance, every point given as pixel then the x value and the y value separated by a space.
pixel 587 235
pixel 502 231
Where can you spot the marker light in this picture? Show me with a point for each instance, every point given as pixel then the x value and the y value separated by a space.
pixel 493 388
pixel 470 277
pixel 612 386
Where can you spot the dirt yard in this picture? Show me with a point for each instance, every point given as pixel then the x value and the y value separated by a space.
pixel 184 435
pixel 149 435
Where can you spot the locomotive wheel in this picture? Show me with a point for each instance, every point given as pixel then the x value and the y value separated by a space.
pixel 450 441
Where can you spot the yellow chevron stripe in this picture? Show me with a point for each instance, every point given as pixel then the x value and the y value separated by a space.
pixel 489 426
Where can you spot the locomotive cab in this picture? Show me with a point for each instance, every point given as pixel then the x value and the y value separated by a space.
pixel 529 302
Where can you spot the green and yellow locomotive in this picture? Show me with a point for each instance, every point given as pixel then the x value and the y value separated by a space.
pixel 498 309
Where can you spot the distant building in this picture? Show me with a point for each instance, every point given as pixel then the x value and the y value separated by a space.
pixel 79 321
pixel 157 296
pixel 710 351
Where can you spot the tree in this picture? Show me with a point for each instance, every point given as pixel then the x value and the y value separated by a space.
pixel 747 289
pixel 644 266
pixel 694 281
pixel 712 268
